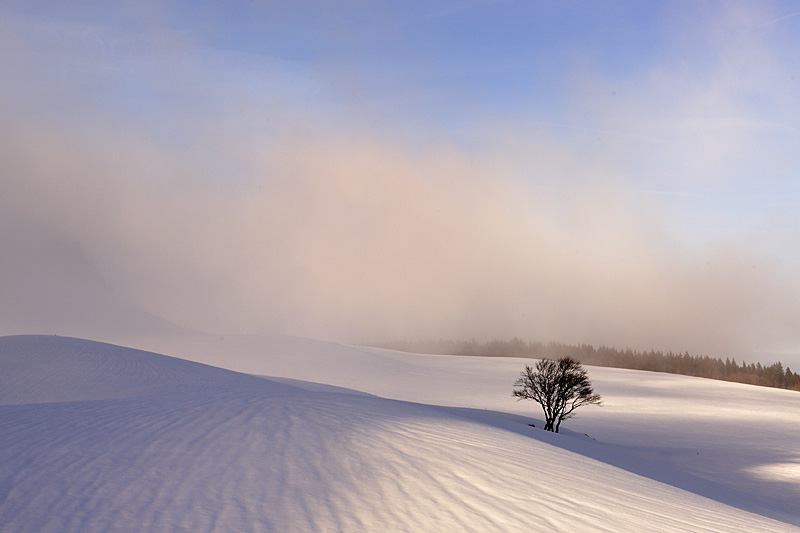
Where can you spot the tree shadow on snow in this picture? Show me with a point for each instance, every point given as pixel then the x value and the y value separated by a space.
pixel 620 457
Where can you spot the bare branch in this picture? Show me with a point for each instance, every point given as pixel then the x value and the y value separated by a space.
pixel 560 387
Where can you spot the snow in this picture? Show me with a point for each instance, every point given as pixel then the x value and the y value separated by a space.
pixel 98 437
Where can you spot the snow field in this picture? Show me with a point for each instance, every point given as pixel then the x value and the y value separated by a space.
pixel 95 437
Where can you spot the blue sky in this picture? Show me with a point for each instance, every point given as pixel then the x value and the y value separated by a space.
pixel 618 172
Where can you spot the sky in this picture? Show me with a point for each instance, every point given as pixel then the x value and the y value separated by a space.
pixel 618 173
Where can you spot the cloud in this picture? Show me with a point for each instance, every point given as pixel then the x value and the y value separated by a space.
pixel 232 205
pixel 337 235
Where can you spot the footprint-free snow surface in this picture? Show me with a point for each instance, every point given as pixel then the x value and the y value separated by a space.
pixel 97 437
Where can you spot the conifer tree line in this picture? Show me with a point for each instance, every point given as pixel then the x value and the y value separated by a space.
pixel 657 361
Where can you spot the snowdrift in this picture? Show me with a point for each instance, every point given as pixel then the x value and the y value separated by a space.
pixel 96 437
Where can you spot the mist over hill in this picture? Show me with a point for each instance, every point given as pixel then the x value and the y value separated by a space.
pixel 51 286
pixel 754 373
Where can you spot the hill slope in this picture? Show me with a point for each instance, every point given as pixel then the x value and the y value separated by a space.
pixel 736 437
pixel 96 437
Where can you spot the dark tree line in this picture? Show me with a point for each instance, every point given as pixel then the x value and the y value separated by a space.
pixel 774 375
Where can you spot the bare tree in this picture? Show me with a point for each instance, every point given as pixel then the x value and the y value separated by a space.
pixel 559 386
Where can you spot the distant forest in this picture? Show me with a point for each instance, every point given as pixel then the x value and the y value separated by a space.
pixel 688 365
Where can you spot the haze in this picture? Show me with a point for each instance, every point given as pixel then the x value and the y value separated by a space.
pixel 612 174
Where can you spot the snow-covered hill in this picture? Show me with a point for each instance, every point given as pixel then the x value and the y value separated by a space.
pixel 96 437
